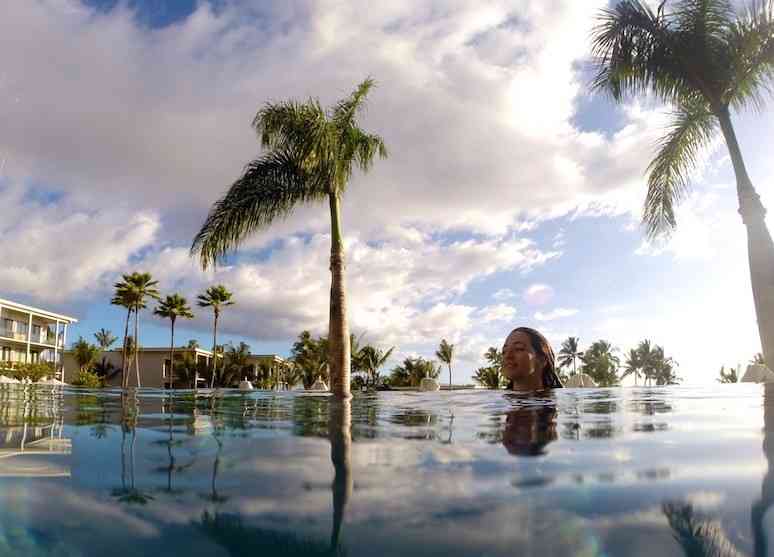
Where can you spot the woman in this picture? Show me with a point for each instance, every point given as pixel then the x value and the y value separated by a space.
pixel 528 361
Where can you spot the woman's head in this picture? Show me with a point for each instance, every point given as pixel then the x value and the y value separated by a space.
pixel 528 360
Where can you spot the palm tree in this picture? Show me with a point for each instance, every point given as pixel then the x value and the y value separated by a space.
pixel 490 377
pixel 140 287
pixel 494 356
pixel 703 58
pixel 730 376
pixel 445 353
pixel 172 307
pixel 664 368
pixel 644 352
pixel 569 353
pixel 372 359
pixel 632 365
pixel 411 372
pixel 124 297
pixel 216 297
pixel 84 354
pixel 758 359
pixel 105 339
pixel 601 363
pixel 310 157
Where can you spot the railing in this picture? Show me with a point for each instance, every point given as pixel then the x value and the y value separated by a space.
pixel 16 335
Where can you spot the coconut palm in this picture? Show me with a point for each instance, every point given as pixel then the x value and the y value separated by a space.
pixel 216 297
pixel 632 365
pixel 372 359
pixel 105 339
pixel 569 353
pixel 84 354
pixel 704 58
pixel 445 353
pixel 140 288
pixel 310 157
pixel 490 377
pixel 601 363
pixel 495 357
pixel 124 297
pixel 758 359
pixel 172 307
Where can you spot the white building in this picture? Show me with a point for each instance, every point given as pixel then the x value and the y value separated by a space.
pixel 29 334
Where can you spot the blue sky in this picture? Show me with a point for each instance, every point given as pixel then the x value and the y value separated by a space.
pixel 511 195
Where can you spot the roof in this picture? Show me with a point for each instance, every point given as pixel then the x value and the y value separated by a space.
pixel 37 311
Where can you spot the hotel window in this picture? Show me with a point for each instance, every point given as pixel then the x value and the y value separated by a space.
pixel 34 357
pixel 165 368
pixel 5 355
pixel 7 327
pixel 36 333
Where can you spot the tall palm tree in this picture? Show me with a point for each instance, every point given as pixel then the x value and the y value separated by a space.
pixel 310 157
pixel 632 365
pixel 569 353
pixel 704 58
pixel 172 307
pixel 139 288
pixel 215 297
pixel 645 359
pixel 445 353
pixel 124 297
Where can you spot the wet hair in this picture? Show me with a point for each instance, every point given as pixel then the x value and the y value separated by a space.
pixel 541 346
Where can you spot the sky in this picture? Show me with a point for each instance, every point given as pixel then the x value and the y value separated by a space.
pixel 512 194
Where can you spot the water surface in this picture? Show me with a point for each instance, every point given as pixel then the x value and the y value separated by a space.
pixel 643 471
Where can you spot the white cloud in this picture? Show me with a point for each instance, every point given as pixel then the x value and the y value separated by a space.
pixel 499 312
pixel 538 294
pixel 53 251
pixel 504 294
pixel 557 313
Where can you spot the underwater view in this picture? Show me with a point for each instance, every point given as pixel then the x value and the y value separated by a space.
pixel 638 471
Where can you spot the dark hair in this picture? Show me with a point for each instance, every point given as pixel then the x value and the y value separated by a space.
pixel 541 345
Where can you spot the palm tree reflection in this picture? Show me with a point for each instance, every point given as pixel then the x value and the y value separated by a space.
pixel 130 414
pixel 238 538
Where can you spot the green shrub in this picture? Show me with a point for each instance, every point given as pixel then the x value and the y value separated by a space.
pixel 88 379
pixel 32 371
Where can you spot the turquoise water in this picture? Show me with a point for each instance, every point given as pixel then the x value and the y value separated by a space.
pixel 643 471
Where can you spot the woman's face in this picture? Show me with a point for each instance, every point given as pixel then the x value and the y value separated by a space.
pixel 520 361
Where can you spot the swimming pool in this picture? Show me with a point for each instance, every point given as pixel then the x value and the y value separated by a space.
pixel 636 471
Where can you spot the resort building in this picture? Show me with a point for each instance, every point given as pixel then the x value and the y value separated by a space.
pixel 155 366
pixel 31 335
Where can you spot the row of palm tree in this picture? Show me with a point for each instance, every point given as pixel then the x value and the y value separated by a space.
pixel 134 291
pixel 602 363
pixel 701 57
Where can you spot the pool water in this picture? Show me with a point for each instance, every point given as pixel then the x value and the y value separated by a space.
pixel 636 471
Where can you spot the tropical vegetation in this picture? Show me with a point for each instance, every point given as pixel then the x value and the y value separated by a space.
pixel 216 297
pixel 491 376
pixel 411 372
pixel 705 58
pixel 309 159
pixel 445 354
pixel 569 354
pixel 601 363
pixel 730 376
pixel 172 307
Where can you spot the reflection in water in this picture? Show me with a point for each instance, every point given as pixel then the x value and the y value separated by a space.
pixel 529 429
pixel 269 474
pixel 760 507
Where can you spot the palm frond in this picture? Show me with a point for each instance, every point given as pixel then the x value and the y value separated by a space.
pixel 270 188
pixel 290 124
pixel 344 112
pixel 692 129
pixel 751 59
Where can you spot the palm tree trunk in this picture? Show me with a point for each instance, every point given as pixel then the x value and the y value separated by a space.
pixel 338 327
pixel 123 352
pixel 137 344
pixel 214 350
pixel 340 435
pixel 760 247
pixel 574 371
pixel 172 357
pixel 450 380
